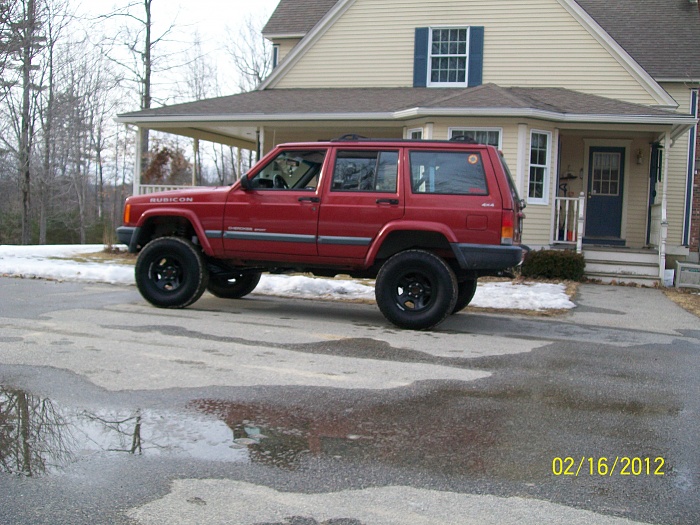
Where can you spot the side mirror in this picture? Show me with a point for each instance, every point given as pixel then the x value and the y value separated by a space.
pixel 245 183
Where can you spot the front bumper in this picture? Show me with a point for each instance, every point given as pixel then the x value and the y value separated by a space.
pixel 126 234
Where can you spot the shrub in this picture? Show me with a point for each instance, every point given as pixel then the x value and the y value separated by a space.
pixel 554 264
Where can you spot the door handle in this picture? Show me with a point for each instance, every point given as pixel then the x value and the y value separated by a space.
pixel 309 199
pixel 388 201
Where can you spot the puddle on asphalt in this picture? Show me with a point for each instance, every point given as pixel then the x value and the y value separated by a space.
pixel 39 436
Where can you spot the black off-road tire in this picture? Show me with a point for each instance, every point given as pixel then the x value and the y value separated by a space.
pixel 416 289
pixel 233 287
pixel 465 294
pixel 171 273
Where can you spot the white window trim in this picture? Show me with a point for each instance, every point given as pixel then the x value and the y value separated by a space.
pixel 430 59
pixel 411 131
pixel 450 131
pixel 547 169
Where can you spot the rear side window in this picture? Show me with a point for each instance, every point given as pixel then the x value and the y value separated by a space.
pixel 374 171
pixel 448 172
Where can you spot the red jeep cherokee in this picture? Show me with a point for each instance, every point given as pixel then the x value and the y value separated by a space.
pixel 425 218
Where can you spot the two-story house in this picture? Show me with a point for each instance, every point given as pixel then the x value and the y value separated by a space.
pixel 593 103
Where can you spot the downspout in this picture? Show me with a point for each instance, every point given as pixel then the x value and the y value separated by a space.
pixel 663 230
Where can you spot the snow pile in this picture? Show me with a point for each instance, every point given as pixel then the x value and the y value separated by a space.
pixel 66 262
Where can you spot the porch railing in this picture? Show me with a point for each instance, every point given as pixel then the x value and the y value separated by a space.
pixel 568 221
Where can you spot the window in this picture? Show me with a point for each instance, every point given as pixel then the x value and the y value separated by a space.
pixel 449 51
pixel 448 56
pixel 539 167
pixel 605 178
pixel 275 55
pixel 415 133
pixel 295 170
pixel 366 171
pixel 457 173
pixel 489 136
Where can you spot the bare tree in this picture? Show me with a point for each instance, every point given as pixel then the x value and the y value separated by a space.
pixel 137 36
pixel 251 54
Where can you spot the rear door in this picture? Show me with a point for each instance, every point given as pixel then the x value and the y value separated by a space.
pixel 361 196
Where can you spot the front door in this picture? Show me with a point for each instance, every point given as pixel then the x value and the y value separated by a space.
pixel 604 204
pixel 277 215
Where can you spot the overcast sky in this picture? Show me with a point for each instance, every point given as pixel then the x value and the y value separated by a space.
pixel 214 20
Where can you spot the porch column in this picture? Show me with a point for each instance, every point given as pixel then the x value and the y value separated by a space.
pixel 137 163
pixel 663 227
pixel 580 223
pixel 521 161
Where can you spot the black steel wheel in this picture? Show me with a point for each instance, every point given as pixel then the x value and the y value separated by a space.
pixel 171 273
pixel 233 286
pixel 465 294
pixel 416 289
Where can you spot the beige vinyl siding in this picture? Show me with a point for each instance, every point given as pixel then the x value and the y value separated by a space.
pixel 636 194
pixel 678 172
pixel 285 46
pixel 533 43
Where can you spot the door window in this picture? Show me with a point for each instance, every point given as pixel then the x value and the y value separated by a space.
pixel 606 174
pixel 374 171
pixel 291 170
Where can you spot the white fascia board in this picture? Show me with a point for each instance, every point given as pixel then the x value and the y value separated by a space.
pixel 619 53
pixel 307 41
pixel 680 120
pixel 546 115
pixel 282 36
pixel 252 117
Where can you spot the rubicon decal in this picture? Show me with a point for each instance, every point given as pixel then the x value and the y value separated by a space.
pixel 171 199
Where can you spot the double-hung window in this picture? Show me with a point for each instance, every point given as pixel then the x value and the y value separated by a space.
pixel 449 53
pixel 540 153
pixel 448 56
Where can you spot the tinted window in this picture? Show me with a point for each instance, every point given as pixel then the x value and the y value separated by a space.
pixel 459 173
pixel 365 171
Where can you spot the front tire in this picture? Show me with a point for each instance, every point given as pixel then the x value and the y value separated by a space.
pixel 233 286
pixel 170 273
pixel 416 289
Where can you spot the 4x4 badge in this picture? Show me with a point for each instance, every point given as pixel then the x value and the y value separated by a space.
pixel 488 205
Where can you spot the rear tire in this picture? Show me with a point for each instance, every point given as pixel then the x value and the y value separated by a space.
pixel 465 294
pixel 233 286
pixel 416 289
pixel 170 273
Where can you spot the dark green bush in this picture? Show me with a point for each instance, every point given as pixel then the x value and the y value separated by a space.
pixel 554 264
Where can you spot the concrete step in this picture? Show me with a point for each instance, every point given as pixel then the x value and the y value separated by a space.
pixel 621 255
pixel 618 278
pixel 614 267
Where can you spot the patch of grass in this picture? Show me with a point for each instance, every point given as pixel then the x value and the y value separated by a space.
pixel 685 298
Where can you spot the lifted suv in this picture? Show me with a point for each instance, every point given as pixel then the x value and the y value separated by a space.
pixel 425 218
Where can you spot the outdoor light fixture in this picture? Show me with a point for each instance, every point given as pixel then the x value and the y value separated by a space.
pixel 640 156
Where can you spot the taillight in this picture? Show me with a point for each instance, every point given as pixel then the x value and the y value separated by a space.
pixel 507 227
pixel 127 214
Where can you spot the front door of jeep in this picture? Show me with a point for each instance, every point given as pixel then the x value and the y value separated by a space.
pixel 278 213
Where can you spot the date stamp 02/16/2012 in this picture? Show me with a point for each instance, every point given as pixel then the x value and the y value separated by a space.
pixel 608 466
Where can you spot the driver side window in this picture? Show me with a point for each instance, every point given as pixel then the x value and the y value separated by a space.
pixel 291 170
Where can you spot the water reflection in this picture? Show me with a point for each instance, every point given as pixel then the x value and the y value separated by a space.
pixel 415 433
pixel 34 435
pixel 39 436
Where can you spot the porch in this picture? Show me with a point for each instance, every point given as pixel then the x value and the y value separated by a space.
pixel 606 263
